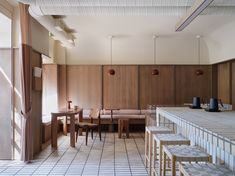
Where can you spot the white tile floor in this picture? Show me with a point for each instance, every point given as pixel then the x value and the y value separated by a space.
pixel 110 157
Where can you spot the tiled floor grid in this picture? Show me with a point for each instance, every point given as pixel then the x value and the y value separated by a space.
pixel 110 157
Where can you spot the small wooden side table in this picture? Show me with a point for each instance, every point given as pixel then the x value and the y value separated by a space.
pixel 123 124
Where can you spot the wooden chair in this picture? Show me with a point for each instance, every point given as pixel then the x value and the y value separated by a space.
pixel 87 126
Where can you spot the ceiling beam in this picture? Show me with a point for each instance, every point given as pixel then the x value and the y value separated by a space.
pixel 192 13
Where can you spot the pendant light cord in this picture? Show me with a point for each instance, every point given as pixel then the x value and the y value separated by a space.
pixel 199 50
pixel 154 49
pixel 111 50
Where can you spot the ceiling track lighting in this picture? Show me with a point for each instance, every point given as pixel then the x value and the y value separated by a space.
pixel 199 71
pixel 195 10
pixel 111 71
pixel 155 71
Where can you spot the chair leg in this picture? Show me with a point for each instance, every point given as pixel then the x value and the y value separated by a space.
pixel 77 134
pixel 92 134
pixel 99 133
pixel 87 130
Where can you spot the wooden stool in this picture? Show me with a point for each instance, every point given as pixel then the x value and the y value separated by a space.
pixel 204 169
pixel 164 139
pixel 123 124
pixel 149 131
pixel 183 153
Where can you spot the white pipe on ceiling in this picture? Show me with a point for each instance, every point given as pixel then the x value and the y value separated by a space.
pixel 49 23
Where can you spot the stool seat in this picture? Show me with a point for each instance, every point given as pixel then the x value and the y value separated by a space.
pixel 155 129
pixel 171 139
pixel 161 140
pixel 185 153
pixel 207 169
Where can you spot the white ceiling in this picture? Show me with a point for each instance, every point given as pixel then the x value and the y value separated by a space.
pixel 135 17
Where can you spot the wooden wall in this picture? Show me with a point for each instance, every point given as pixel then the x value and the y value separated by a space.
pixel 62 85
pixel 157 89
pixel 37 108
pixel 224 82
pixel 189 85
pixel 50 88
pixel 233 84
pixel 132 86
pixel 121 90
pixel 84 85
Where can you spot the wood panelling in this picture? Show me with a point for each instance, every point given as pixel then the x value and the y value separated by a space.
pixel 214 78
pixel 120 90
pixel 156 89
pixel 224 82
pixel 62 86
pixel 50 88
pixel 37 108
pixel 188 84
pixel 233 84
pixel 84 85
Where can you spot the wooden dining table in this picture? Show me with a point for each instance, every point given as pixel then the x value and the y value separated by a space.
pixel 54 125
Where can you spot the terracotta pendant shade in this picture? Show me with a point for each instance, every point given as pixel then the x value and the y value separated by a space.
pixel 111 71
pixel 199 72
pixel 155 72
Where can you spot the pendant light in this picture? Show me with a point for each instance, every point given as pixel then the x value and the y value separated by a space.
pixel 199 71
pixel 154 71
pixel 111 71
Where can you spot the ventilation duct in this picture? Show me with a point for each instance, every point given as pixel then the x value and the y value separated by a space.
pixel 49 23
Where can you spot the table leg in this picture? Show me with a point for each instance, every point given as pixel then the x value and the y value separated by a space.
pixel 54 132
pixel 72 130
pixel 65 130
pixel 80 120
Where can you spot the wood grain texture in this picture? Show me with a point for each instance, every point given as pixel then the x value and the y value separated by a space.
pixel 84 85
pixel 50 88
pixel 120 90
pixel 233 84
pixel 224 82
pixel 189 85
pixel 156 89
pixel 62 86
pixel 36 108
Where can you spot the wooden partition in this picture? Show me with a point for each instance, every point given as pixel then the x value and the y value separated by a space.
pixel 36 108
pixel 233 84
pixel 224 82
pixel 120 90
pixel 84 85
pixel 188 84
pixel 62 86
pixel 50 88
pixel 156 89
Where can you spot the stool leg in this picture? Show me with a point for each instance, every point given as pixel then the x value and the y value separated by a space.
pixel 160 158
pixel 150 152
pixel 146 148
pixel 119 128
pixel 173 165
pixel 154 157
pixel 164 163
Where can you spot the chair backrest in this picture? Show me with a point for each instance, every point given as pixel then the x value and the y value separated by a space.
pixel 95 114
